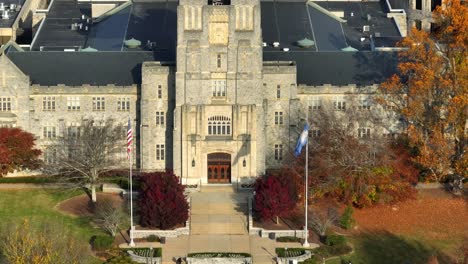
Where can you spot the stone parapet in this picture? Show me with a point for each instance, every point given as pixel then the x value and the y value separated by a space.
pixel 300 258
pixel 146 260
pixel 264 233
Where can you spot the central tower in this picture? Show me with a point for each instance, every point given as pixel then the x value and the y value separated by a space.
pixel 218 118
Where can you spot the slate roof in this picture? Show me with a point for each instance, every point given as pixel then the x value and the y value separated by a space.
pixel 339 68
pixel 13 14
pixel 153 21
pixel 78 68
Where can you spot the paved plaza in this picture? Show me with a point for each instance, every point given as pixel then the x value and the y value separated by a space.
pixel 219 224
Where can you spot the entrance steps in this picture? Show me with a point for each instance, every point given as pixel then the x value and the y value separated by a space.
pixel 223 188
pixel 218 210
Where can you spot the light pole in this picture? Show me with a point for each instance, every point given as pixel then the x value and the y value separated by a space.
pixel 306 230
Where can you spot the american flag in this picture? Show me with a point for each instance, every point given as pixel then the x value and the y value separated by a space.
pixel 129 139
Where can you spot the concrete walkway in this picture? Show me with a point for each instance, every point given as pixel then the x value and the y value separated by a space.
pixel 219 224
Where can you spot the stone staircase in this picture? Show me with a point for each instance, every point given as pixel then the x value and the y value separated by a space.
pixel 218 210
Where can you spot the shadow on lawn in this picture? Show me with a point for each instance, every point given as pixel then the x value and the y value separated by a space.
pixel 382 247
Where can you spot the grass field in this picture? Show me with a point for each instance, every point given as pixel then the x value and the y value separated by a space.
pixel 39 207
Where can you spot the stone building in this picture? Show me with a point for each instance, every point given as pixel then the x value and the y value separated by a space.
pixel 218 94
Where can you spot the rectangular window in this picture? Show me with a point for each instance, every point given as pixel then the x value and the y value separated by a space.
pixel 159 91
pixel 278 91
pixel 339 104
pixel 278 152
pixel 364 132
pixel 48 103
pixel 315 103
pixel 160 152
pixel 123 104
pixel 364 104
pixel 99 104
pixel 73 103
pixel 7 124
pixel 49 132
pixel 50 155
pixel 160 118
pixel 73 130
pixel 315 133
pixel 278 118
pixel 218 61
pixel 388 107
pixel 5 104
pixel 219 88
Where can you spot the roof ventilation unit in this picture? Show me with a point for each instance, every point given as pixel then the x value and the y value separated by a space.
pixel 2 6
pixel 366 28
pixel 265 44
pixel 12 6
pixel 276 44
pixel 285 49
pixel 5 14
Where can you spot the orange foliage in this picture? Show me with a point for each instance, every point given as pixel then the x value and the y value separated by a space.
pixel 431 91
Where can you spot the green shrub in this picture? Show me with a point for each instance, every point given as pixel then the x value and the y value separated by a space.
pixel 335 240
pixel 34 179
pixel 152 238
pixel 121 260
pixel 289 239
pixel 102 242
pixel 347 221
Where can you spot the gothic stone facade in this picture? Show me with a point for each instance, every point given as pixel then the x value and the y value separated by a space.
pixel 220 115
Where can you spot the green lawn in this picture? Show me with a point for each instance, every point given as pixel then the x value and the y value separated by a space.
pixel 387 248
pixel 39 207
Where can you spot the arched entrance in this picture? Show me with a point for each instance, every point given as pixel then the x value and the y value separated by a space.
pixel 219 168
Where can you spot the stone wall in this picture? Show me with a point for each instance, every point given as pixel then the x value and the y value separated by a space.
pixel 270 233
pixel 300 258
pixel 146 260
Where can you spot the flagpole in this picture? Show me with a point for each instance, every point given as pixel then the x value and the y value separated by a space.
pixel 132 243
pixel 306 230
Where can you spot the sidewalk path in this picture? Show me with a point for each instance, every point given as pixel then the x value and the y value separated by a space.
pixel 219 224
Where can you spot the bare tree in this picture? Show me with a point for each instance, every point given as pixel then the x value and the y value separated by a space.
pixel 87 151
pixel 109 216
pixel 320 222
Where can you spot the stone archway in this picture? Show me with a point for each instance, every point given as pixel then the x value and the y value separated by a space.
pixel 219 168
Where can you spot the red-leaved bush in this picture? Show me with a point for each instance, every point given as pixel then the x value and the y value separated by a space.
pixel 17 150
pixel 162 201
pixel 272 198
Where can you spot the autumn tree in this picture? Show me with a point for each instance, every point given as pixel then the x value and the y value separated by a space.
pixel 87 151
pixel 17 150
pixel 359 168
pixel 272 198
pixel 431 91
pixel 162 201
pixel 45 244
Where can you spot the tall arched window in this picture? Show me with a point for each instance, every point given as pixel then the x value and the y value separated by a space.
pixel 219 125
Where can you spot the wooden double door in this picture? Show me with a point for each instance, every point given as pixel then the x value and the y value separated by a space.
pixel 219 168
